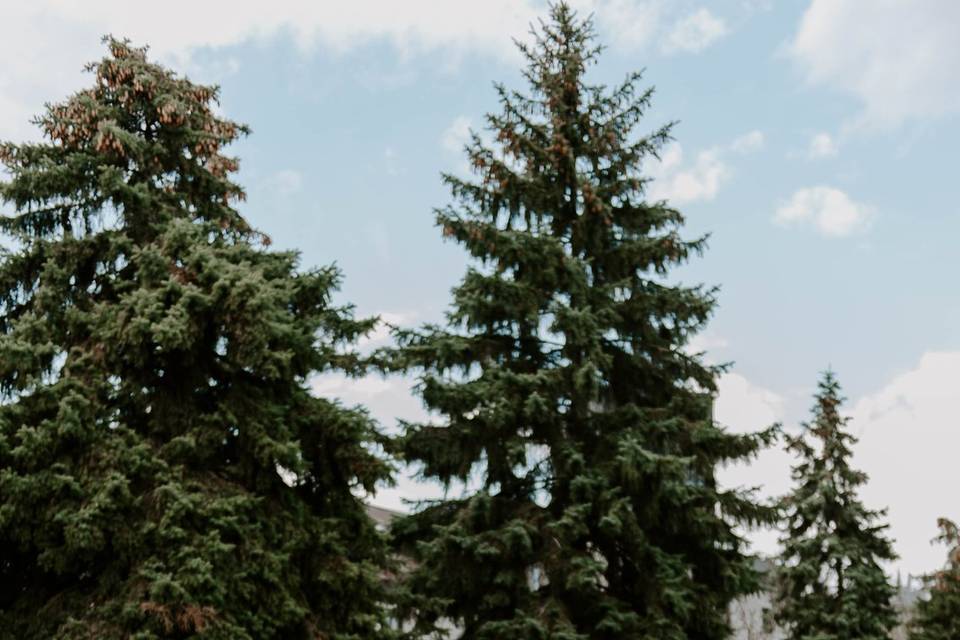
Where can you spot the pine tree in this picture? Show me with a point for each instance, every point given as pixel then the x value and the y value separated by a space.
pixel 164 470
pixel 938 616
pixel 831 584
pixel 564 389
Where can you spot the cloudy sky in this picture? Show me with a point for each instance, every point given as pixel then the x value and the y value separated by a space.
pixel 813 143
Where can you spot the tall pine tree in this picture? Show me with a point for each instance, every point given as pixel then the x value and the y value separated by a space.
pixel 564 386
pixel 937 617
pixel 831 584
pixel 164 470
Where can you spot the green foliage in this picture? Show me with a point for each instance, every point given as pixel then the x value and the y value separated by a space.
pixel 154 359
pixel 938 616
pixel 831 584
pixel 569 403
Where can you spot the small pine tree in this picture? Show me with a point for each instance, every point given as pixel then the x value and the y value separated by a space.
pixel 564 386
pixel 937 617
pixel 164 470
pixel 831 584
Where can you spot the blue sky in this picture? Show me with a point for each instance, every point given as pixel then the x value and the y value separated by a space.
pixel 814 143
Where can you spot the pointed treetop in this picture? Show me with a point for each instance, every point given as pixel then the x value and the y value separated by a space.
pixel 937 617
pixel 831 584
pixel 142 142
pixel 562 385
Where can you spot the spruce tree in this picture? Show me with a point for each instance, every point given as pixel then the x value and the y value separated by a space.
pixel 165 471
pixel 937 617
pixel 831 584
pixel 563 393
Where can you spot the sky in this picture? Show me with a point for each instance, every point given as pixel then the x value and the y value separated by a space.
pixel 812 142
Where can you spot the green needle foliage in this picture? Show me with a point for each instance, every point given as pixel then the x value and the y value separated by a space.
pixel 938 617
pixel 831 584
pixel 164 470
pixel 566 399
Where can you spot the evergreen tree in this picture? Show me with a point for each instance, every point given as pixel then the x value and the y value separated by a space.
pixel 831 584
pixel 164 470
pixel 563 386
pixel 938 616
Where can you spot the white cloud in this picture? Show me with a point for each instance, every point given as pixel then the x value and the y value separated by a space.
pixel 748 142
pixel 412 26
pixel 680 184
pixel 744 407
pixel 456 135
pixel 61 37
pixel 900 59
pixel 388 399
pixel 828 210
pixel 909 434
pixel 352 390
pixel 694 33
pixel 706 342
pixel 47 42
pixel 822 145
pixel 631 24
pixel 388 319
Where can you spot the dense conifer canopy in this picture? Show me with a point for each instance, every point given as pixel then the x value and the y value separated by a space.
pixel 938 616
pixel 164 470
pixel 831 583
pixel 566 395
